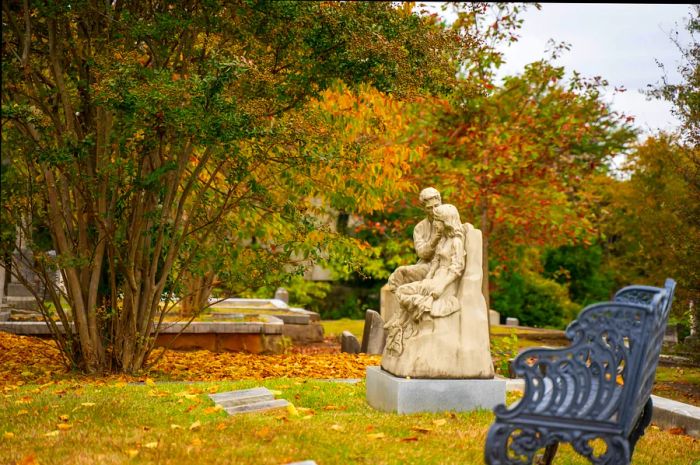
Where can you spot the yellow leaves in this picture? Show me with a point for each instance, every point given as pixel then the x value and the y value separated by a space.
pixel 376 436
pixel 52 434
pixel 175 427
pixel 63 417
pixel 132 453
pixel 196 442
pixel 150 382
pixel 8 435
pixel 64 426
pixel 88 404
pixel 151 445
pixel 337 428
pixel 439 422
pixel 292 410
pixel 195 426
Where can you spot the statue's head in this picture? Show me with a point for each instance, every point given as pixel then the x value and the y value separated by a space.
pixel 430 198
pixel 446 216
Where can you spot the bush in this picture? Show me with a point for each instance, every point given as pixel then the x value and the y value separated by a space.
pixel 533 299
pixel 580 269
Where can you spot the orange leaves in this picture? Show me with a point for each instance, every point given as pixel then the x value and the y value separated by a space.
pixel 204 365
pixel 18 352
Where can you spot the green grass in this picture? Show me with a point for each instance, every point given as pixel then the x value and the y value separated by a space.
pixel 333 328
pixel 134 424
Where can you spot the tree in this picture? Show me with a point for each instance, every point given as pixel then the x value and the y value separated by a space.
pixel 135 128
pixel 685 96
pixel 653 220
pixel 517 156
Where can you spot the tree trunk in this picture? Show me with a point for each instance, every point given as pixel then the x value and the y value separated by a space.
pixel 198 289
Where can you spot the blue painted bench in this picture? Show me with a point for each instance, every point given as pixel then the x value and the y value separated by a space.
pixel 598 388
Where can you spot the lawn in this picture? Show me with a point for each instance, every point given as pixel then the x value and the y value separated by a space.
pixel 110 422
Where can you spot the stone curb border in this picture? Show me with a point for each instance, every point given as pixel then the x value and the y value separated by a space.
pixel 667 413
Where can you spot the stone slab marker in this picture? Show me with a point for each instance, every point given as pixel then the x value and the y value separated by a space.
pixel 374 335
pixel 494 318
pixel 248 401
pixel 510 321
pixel 349 343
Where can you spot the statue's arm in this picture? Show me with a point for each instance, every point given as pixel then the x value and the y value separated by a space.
pixel 425 248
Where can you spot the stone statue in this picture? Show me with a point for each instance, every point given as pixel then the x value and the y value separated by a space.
pixel 441 329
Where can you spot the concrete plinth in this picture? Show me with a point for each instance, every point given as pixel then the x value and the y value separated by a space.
pixel 390 393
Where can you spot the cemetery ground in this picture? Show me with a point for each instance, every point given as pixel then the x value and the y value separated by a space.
pixel 48 416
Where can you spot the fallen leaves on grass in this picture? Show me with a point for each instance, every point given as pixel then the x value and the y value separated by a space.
pixel 27 359
pixel 209 366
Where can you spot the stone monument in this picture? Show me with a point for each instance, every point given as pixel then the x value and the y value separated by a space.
pixel 437 355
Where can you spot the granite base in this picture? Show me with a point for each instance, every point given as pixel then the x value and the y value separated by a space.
pixel 390 393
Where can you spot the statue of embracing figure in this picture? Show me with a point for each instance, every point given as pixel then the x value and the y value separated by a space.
pixel 441 328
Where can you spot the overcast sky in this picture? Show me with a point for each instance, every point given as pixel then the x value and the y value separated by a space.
pixel 619 42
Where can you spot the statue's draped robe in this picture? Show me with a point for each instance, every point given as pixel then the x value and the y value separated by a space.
pixel 455 345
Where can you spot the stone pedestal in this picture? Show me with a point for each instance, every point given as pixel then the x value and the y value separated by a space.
pixel 390 393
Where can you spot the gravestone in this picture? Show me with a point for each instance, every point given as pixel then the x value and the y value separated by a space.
pixel 374 335
pixel 510 321
pixel 282 294
pixel 349 343
pixel 494 318
pixel 671 334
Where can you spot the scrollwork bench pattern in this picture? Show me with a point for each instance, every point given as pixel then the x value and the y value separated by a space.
pixel 598 387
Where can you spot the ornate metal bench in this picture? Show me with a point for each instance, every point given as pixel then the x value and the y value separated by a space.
pixel 597 388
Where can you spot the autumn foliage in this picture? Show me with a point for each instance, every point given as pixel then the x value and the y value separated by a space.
pixel 27 359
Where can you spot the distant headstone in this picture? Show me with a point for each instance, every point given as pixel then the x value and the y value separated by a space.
pixel 494 318
pixel 282 294
pixel 374 335
pixel 671 335
pixel 349 343
pixel 510 321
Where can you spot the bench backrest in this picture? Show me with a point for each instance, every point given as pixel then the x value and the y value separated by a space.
pixel 642 379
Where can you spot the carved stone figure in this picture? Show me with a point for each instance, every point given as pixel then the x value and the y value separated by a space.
pixel 441 329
